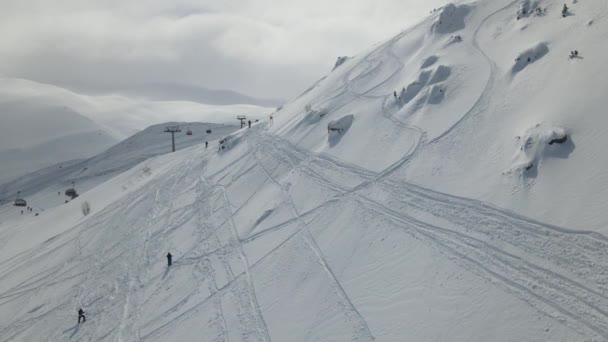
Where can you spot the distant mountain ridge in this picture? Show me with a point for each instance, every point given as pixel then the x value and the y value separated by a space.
pixel 193 93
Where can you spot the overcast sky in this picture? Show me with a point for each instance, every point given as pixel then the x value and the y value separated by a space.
pixel 262 48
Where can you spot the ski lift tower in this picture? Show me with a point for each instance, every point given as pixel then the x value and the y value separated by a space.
pixel 172 130
pixel 242 118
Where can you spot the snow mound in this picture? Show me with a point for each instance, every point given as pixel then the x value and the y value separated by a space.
pixel 340 61
pixel 428 85
pixel 437 95
pixel 442 73
pixel 536 144
pixel 232 140
pixel 530 55
pixel 454 39
pixel 527 8
pixel 413 89
pixel 451 19
pixel 429 61
pixel 337 128
pixel 313 116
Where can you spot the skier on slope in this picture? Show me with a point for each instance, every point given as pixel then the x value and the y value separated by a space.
pixel 169 259
pixel 249 123
pixel 81 316
pixel 206 144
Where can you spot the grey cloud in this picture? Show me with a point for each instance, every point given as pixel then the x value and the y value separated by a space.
pixel 264 48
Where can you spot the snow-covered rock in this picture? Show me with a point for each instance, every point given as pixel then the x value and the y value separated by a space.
pixel 529 56
pixel 536 144
pixel 451 19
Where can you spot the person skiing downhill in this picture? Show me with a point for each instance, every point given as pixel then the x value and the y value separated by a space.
pixel 169 259
pixel 206 144
pixel 81 316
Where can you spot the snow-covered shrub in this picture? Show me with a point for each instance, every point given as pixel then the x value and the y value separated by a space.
pixel 337 128
pixel 529 56
pixel 340 61
pixel 85 207
pixel 429 61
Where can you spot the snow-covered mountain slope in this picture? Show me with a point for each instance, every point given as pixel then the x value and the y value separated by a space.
pixel 41 124
pixel 18 162
pixel 34 135
pixel 357 214
pixel 121 115
pixel 474 86
pixel 274 242
pixel 41 187
pixel 25 124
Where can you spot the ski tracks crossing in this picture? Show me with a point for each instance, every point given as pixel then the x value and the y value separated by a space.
pixel 559 272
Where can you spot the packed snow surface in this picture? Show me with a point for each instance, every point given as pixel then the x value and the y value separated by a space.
pixel 422 191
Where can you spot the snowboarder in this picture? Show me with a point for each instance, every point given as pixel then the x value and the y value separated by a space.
pixel 249 122
pixel 81 316
pixel 169 259
pixel 206 144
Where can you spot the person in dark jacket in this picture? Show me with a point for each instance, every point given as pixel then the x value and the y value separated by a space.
pixel 169 259
pixel 81 316
pixel 206 144
pixel 249 123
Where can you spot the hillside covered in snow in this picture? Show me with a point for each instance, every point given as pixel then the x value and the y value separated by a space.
pixel 448 184
pixel 42 125
pixel 41 186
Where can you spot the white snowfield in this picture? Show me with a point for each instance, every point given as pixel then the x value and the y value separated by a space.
pixel 432 188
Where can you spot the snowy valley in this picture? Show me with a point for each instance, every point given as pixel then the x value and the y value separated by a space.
pixel 448 184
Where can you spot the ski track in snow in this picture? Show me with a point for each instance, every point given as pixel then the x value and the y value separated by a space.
pixel 364 333
pixel 541 264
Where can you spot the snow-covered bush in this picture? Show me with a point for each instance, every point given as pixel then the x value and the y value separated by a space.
pixel 337 128
pixel 340 61
pixel 85 207
pixel 529 56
